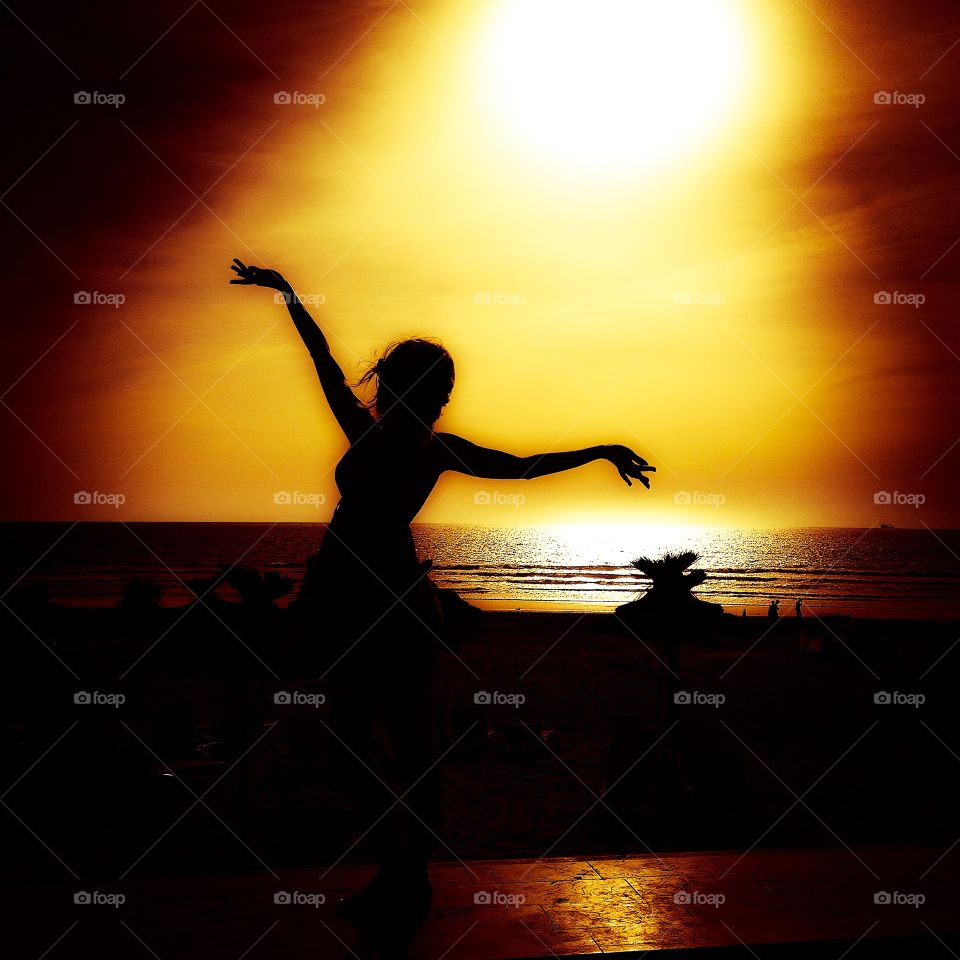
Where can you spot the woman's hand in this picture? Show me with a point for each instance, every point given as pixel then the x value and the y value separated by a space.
pixel 628 464
pixel 260 277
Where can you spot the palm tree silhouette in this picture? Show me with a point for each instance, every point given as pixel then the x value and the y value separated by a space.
pixel 669 600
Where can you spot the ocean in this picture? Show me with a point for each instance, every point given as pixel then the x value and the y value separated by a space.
pixel 876 572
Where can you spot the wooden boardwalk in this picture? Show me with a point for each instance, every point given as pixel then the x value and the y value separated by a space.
pixel 830 902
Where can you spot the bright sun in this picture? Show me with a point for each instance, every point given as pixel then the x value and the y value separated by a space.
pixel 605 85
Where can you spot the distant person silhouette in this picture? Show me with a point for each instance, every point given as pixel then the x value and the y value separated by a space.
pixel 799 608
pixel 773 611
pixel 372 600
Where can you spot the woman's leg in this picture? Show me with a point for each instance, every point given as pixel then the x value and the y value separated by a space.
pixel 409 718
pixel 409 721
pixel 357 696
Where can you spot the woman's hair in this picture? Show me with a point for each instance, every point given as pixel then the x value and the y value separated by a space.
pixel 413 377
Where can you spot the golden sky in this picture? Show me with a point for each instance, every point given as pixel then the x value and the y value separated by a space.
pixel 715 309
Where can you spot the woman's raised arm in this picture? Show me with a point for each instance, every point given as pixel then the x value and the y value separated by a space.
pixel 354 418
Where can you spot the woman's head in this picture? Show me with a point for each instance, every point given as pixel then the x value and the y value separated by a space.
pixel 414 379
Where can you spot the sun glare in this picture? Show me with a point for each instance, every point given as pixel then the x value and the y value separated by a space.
pixel 613 84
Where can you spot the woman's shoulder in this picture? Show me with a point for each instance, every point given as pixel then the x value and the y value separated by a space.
pixel 454 452
pixel 448 444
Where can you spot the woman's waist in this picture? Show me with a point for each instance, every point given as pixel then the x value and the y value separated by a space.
pixel 363 519
pixel 384 548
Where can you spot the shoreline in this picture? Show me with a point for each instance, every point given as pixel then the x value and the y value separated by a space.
pixel 535 609
pixel 876 574
pixel 812 611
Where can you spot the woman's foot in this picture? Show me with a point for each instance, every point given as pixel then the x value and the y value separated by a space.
pixel 407 914
pixel 363 908
pixel 392 907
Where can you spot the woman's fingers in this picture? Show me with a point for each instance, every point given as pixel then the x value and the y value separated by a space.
pixel 246 275
pixel 640 464
pixel 630 465
pixel 241 271
pixel 637 470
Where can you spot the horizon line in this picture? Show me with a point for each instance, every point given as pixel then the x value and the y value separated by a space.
pixel 457 523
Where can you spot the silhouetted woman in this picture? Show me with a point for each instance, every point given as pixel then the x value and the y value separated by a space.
pixel 372 596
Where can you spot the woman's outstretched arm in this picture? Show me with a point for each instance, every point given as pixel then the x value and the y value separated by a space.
pixel 463 456
pixel 354 418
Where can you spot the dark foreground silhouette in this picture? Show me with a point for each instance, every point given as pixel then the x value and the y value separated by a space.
pixel 369 580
